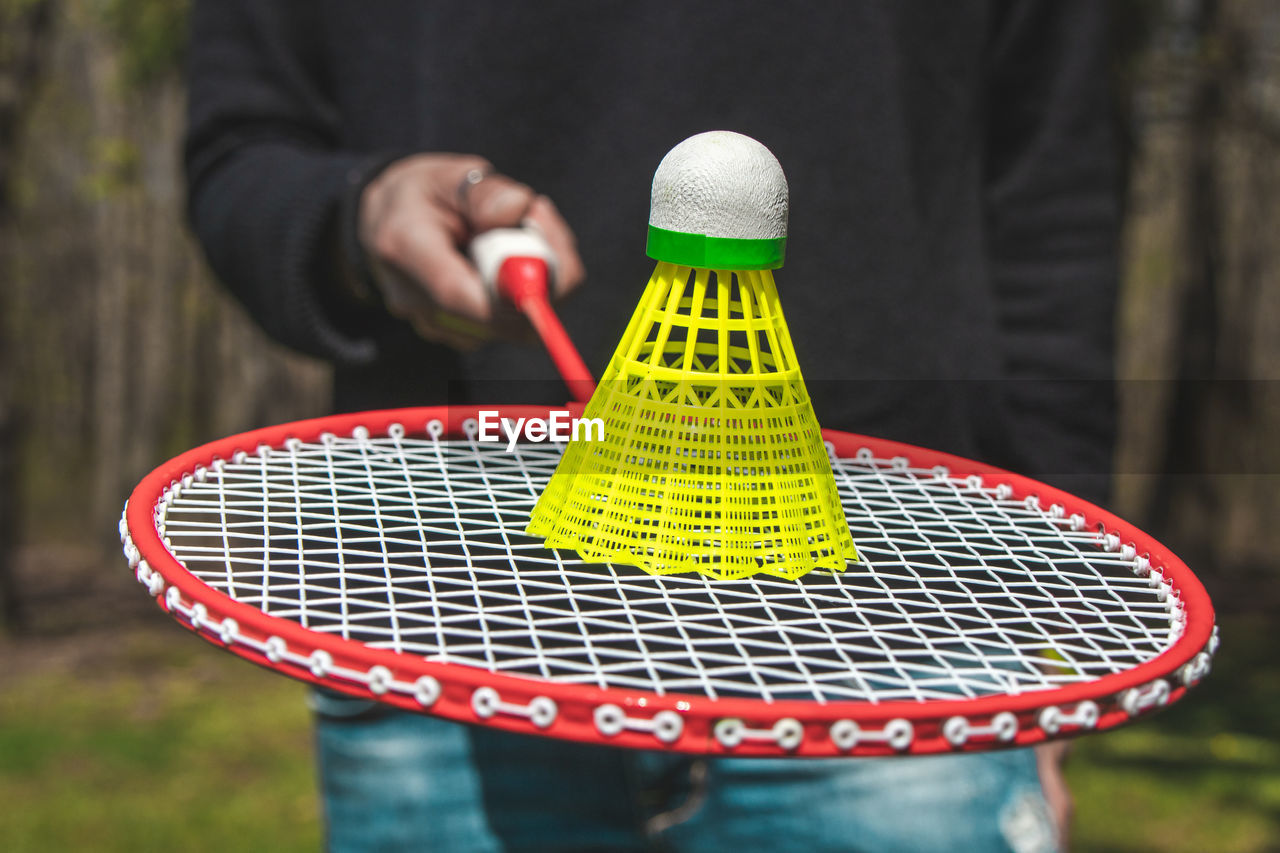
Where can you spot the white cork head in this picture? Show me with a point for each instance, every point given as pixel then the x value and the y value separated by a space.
pixel 720 184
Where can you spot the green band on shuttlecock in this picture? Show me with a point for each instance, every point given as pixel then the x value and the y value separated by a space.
pixel 717 253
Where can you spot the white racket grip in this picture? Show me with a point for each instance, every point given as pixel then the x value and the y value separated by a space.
pixel 489 249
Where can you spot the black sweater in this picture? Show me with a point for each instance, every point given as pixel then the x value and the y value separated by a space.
pixel 951 268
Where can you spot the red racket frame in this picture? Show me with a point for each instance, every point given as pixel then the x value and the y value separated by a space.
pixel 706 726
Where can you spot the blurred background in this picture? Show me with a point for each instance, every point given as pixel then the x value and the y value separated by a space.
pixel 117 350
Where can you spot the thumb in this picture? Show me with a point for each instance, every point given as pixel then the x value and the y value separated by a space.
pixel 497 202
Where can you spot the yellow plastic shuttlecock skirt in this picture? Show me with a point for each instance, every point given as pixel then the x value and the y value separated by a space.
pixel 711 459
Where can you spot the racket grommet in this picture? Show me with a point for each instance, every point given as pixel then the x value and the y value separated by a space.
pixel 1195 669
pixel 199 615
pixel 845 734
pixel 320 663
pixel 1050 720
pixel 173 598
pixel 360 433
pixel 293 444
pixel 729 732
pixel 542 711
pixel 609 720
pixel 238 457
pixel 155 583
pixel 379 680
pixel 899 733
pixel 275 649
pixel 956 731
pixel 1135 700
pixel 435 428
pixel 1004 491
pixel 1005 726
pixel 788 733
pixel 229 631
pixel 668 726
pixel 1085 716
pixel 471 428
pixel 426 690
pixel 484 701
pixel 395 431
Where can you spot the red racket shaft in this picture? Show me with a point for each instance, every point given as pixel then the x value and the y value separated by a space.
pixel 524 281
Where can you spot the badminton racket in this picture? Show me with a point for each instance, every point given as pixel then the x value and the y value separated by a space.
pixel 382 555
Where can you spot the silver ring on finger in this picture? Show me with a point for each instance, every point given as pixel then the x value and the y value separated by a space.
pixel 469 180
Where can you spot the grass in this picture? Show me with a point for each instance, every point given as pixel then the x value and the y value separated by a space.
pixel 171 746
pixel 153 740
pixel 1201 776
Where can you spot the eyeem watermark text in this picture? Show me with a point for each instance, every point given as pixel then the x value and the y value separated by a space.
pixel 560 428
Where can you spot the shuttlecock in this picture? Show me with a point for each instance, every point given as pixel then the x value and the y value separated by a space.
pixel 711 459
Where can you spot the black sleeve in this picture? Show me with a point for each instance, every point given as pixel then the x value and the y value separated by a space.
pixel 266 178
pixel 1052 209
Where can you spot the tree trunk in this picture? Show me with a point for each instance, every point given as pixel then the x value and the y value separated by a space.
pixel 26 31
pixel 1182 472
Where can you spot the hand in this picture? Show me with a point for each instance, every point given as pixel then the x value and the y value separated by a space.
pixel 1049 758
pixel 415 221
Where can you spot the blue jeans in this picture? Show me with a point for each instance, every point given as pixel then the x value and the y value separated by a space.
pixel 397 781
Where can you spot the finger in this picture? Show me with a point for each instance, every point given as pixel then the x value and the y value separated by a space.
pixel 494 202
pixel 407 300
pixel 402 297
pixel 431 180
pixel 440 331
pixel 424 249
pixel 569 268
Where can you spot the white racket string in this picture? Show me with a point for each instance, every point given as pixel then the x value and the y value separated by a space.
pixel 416 545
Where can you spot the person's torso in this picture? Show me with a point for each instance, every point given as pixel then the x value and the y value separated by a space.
pixel 874 111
